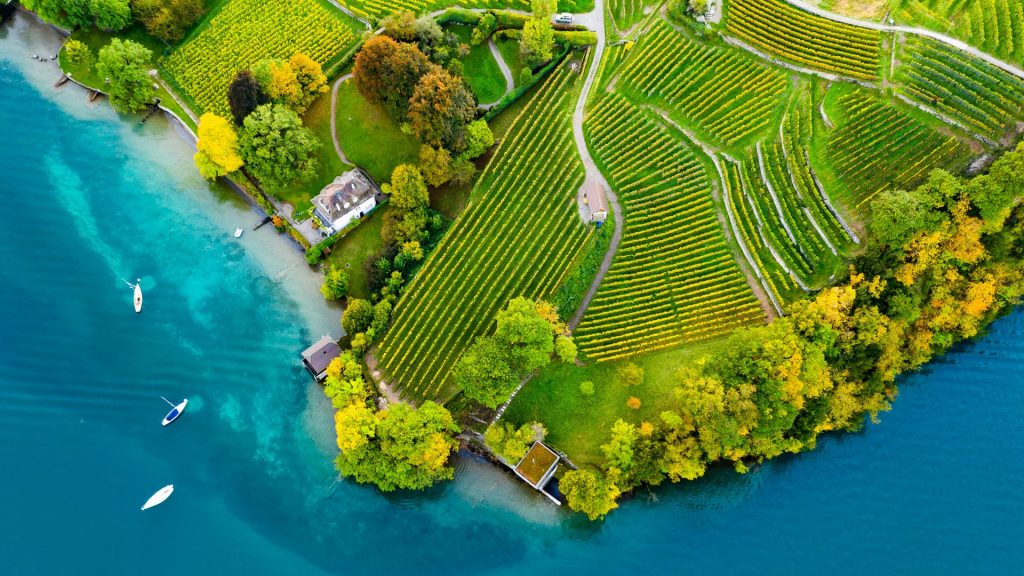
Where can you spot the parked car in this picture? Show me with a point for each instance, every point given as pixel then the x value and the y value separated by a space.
pixel 564 18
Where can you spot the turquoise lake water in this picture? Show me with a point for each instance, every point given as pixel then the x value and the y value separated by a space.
pixel 92 198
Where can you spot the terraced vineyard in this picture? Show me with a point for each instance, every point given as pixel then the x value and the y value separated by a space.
pixel 244 32
pixel 993 26
pixel 727 95
pixel 374 10
pixel 674 279
pixel 879 147
pixel 983 98
pixel 806 39
pixel 518 237
pixel 626 13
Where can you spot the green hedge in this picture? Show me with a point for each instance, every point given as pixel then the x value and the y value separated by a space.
pixel 514 95
pixel 459 16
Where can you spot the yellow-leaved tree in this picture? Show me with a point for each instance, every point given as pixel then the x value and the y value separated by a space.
pixel 217 147
pixel 310 81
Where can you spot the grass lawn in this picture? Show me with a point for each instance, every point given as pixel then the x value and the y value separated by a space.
pixel 577 424
pixel 481 71
pixel 368 136
pixel 317 119
pixel 510 53
pixel 355 251
pixel 98 39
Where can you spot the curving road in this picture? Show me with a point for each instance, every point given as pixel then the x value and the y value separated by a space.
pixel 910 30
pixel 595 21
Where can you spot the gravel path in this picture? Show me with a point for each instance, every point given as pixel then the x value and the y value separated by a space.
pixel 334 119
pixel 595 21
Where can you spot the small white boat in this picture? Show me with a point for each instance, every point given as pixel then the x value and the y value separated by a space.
pixel 176 410
pixel 138 296
pixel 158 498
pixel 238 232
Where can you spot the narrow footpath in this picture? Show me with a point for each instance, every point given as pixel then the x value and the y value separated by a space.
pixel 594 20
pixel 510 84
pixel 334 118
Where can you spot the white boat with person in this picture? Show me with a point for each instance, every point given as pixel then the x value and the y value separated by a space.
pixel 238 232
pixel 158 498
pixel 137 296
pixel 176 410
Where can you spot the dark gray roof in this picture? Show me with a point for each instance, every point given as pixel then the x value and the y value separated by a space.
pixel 343 194
pixel 319 355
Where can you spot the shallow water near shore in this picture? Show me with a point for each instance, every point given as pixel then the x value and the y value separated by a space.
pixel 93 198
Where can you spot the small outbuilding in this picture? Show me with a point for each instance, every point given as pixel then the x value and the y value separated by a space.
pixel 318 357
pixel 537 468
pixel 349 197
pixel 596 200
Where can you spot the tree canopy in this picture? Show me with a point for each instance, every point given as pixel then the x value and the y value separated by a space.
pixel 440 109
pixel 168 19
pixel 537 44
pixel 276 147
pixel 245 94
pixel 400 447
pixel 126 64
pixel 217 148
pixel 387 72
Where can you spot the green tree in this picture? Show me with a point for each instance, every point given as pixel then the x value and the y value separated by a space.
pixel 899 214
pixel 483 373
pixel 589 493
pixel 527 337
pixel 112 15
pixel 400 447
pixel 543 8
pixel 537 43
pixel 126 64
pixel 565 349
pixel 400 25
pixel 336 282
pixel 407 189
pixel 587 388
pixel 462 172
pixel 629 374
pixel 78 54
pixel 484 28
pixel 358 316
pixel 168 19
pixel 245 95
pixel 436 165
pixel 440 109
pixel 479 139
pixel 277 148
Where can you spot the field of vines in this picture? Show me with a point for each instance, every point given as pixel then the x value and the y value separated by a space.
pixel 982 97
pixel 518 237
pixel 993 26
pixel 806 39
pixel 725 94
pixel 626 13
pixel 244 32
pixel 374 10
pixel 674 279
pixel 880 147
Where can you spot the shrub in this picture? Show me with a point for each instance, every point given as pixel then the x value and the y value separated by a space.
pixel 629 374
pixel 633 402
pixel 587 388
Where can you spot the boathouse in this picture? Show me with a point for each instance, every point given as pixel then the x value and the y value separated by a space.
pixel 317 357
pixel 538 467
pixel 348 198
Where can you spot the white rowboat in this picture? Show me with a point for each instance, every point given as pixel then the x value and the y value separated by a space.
pixel 176 410
pixel 138 296
pixel 158 498
pixel 238 232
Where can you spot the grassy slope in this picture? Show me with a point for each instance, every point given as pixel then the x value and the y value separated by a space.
pixel 479 68
pixel 368 136
pixel 510 53
pixel 97 39
pixel 578 424
pixel 356 250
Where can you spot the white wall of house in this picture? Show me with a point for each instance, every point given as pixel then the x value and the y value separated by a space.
pixel 352 214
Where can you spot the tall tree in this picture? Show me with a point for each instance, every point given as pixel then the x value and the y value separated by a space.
pixel 310 78
pixel 440 109
pixel 537 44
pixel 78 54
pixel 277 148
pixel 483 373
pixel 217 148
pixel 407 189
pixel 387 72
pixel 245 94
pixel 589 493
pixel 126 63
pixel 111 15
pixel 168 19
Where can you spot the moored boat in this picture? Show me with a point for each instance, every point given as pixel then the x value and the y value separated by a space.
pixel 138 296
pixel 158 498
pixel 238 232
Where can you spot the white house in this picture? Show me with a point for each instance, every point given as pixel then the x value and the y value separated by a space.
pixel 349 197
